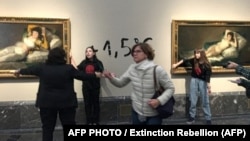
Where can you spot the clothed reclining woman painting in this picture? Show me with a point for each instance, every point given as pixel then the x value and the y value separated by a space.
pixel 33 47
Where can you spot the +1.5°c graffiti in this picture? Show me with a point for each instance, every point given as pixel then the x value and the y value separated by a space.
pixel 107 46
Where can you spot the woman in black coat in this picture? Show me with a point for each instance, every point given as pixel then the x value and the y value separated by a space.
pixel 56 94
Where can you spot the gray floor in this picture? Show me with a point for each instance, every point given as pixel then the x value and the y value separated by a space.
pixel 28 135
pixel 35 134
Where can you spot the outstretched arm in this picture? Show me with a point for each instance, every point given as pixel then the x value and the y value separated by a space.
pixel 72 60
pixel 246 84
pixel 239 69
pixel 177 64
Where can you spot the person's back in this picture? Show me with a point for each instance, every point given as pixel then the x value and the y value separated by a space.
pixel 56 87
pixel 56 81
pixel 56 95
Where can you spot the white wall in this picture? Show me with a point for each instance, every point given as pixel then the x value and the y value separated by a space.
pixel 93 22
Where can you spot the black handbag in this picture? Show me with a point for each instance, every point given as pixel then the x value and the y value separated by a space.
pixel 166 110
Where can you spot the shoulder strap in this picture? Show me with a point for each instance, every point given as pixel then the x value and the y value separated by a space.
pixel 155 83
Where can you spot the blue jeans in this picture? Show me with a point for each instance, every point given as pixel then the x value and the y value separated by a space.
pixel 154 120
pixel 198 86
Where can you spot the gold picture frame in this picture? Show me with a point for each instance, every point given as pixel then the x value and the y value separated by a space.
pixel 19 51
pixel 190 34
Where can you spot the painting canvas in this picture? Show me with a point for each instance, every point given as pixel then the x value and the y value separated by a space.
pixel 27 41
pixel 212 36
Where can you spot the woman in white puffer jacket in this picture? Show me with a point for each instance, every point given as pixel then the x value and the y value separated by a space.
pixel 141 76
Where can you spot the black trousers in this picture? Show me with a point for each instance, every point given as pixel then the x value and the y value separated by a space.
pixel 92 105
pixel 49 118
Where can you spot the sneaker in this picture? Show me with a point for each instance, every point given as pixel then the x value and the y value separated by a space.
pixel 190 120
pixel 208 122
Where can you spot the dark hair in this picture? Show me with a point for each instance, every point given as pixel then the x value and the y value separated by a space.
pixel 94 50
pixel 92 47
pixel 39 30
pixel 146 48
pixel 56 56
pixel 232 36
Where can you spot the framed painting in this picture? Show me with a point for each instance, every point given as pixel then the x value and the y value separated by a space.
pixel 27 41
pixel 222 41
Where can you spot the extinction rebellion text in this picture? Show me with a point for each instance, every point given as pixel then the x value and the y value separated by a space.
pixel 78 132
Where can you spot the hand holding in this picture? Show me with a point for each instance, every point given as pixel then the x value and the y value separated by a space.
pixel 209 90
pixel 108 74
pixel 232 65
pixel 237 81
pixel 174 66
pixel 98 74
pixel 154 103
pixel 16 73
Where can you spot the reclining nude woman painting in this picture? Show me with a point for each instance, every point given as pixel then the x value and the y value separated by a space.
pixel 25 44
pixel 220 48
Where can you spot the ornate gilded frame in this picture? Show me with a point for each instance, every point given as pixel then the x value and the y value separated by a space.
pixel 13 30
pixel 190 34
